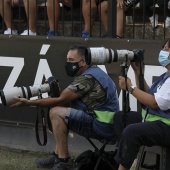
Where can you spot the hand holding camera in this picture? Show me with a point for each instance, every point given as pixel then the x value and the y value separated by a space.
pixel 124 84
pixel 20 102
pixel 9 96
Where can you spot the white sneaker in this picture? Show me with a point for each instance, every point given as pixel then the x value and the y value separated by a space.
pixel 29 32
pixel 9 32
pixel 152 19
pixel 167 22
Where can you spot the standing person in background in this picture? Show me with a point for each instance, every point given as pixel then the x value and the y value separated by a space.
pixel 125 5
pixel 53 12
pixel 149 4
pixel 122 6
pixel 156 99
pixel 6 13
pixel 89 10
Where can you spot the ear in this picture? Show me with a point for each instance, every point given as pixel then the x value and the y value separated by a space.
pixel 83 61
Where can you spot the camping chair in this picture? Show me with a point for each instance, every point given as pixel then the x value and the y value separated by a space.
pixel 132 117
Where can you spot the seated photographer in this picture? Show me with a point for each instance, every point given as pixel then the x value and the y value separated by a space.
pixel 93 101
pixel 156 128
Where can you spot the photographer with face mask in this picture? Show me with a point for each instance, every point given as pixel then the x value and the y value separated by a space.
pixel 93 101
pixel 156 127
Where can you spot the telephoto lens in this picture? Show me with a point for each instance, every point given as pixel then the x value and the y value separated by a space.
pixel 51 87
pixel 101 55
pixel 7 95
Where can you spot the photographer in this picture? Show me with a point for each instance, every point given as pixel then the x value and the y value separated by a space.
pixel 93 101
pixel 156 128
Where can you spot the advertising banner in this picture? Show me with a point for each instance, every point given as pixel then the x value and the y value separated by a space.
pixel 27 61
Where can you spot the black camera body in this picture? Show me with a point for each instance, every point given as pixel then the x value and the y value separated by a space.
pixel 138 55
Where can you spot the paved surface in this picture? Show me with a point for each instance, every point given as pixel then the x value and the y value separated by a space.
pixel 16 159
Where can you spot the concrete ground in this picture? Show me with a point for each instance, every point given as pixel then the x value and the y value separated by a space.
pixel 15 159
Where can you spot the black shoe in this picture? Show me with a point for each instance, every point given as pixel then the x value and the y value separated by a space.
pixel 47 162
pixel 119 37
pixel 105 35
pixel 64 166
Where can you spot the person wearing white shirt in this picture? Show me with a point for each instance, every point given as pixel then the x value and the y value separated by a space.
pixel 155 129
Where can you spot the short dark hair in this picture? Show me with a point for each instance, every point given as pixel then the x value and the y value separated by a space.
pixel 80 49
pixel 165 42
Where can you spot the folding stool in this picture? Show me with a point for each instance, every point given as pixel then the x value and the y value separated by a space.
pixel 102 155
pixel 153 158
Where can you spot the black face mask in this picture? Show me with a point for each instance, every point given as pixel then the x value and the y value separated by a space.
pixel 72 68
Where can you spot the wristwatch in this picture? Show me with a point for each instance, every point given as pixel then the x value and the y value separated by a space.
pixel 130 90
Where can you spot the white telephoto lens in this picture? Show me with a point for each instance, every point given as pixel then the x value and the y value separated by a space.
pixel 123 53
pixel 99 56
pixel 38 89
pixel 10 93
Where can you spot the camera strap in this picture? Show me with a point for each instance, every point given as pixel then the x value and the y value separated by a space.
pixel 54 92
pixel 141 81
pixel 125 93
pixel 43 121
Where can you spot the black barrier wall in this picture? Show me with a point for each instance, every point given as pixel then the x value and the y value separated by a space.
pixel 25 61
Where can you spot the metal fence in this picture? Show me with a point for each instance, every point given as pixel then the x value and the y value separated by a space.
pixel 136 24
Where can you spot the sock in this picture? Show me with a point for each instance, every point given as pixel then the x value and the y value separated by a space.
pixel 56 154
pixel 64 160
pixel 53 153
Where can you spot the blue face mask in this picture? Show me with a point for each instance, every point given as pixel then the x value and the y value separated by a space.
pixel 163 58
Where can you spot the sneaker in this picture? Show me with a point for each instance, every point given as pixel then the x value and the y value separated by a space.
pixel 167 22
pixel 85 34
pixel 29 32
pixel 47 162
pixel 152 19
pixel 9 32
pixel 51 33
pixel 64 166
pixel 119 37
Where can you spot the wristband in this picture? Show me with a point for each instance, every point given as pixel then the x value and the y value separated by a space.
pixel 130 90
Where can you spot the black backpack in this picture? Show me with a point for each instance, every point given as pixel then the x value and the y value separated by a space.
pixel 88 159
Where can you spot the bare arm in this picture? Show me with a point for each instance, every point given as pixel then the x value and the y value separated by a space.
pixel 146 87
pixel 66 97
pixel 136 69
pixel 143 97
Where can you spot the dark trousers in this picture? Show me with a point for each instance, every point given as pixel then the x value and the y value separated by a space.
pixel 136 135
pixel 121 120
